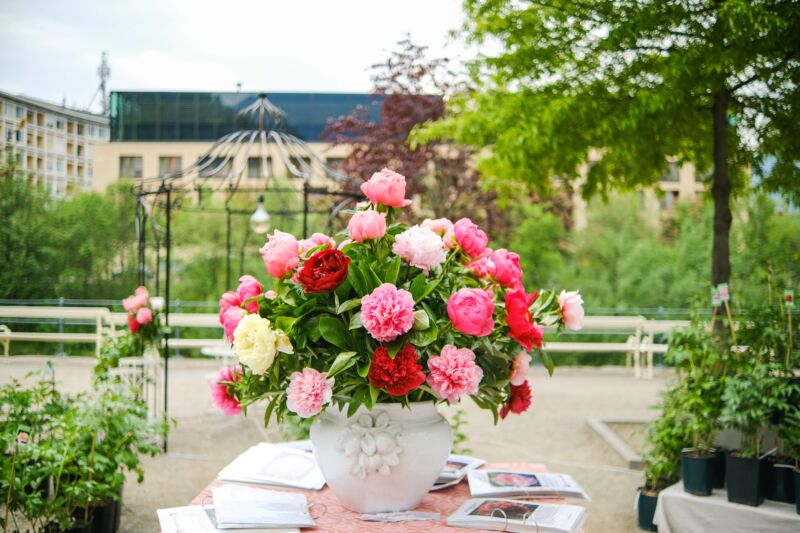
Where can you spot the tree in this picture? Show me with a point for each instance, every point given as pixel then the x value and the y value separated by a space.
pixel 410 88
pixel 715 82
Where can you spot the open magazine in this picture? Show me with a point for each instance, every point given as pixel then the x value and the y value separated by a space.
pixel 272 464
pixel 199 519
pixel 455 469
pixel 238 507
pixel 513 515
pixel 503 483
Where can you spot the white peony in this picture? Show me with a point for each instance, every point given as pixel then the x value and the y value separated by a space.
pixel 256 344
pixel 420 247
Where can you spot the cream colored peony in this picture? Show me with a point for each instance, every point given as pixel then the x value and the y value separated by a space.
pixel 256 344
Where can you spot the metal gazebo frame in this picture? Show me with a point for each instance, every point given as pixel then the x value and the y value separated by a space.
pixel 214 173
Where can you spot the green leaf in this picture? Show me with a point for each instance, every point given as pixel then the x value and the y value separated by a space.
pixel 392 271
pixel 418 287
pixel 373 395
pixel 356 279
pixel 355 321
pixel 342 362
pixel 285 323
pixel 348 305
pixel 333 330
pixel 372 279
pixel 363 368
pixel 429 288
pixel 395 346
pixel 422 338
pixel 311 327
pixel 547 361
pixel 358 399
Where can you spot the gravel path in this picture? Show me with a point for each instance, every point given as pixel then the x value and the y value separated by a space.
pixel 553 432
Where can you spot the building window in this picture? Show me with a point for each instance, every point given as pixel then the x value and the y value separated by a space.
pixel 20 112
pixel 9 134
pixel 101 132
pixel 59 124
pixel 334 163
pixel 169 164
pixel 18 135
pixel 59 165
pixel 254 167
pixel 91 131
pixel 130 166
pixel 215 168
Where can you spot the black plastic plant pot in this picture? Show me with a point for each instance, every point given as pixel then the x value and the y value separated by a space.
pixel 745 480
pixel 780 481
pixel 718 480
pixel 104 517
pixel 646 507
pixel 797 490
pixel 81 527
pixel 697 470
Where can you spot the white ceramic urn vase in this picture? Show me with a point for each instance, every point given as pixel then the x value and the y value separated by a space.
pixel 382 460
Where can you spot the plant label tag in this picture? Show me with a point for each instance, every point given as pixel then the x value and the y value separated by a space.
pixel 23 434
pixel 724 292
pixel 788 298
pixel 716 299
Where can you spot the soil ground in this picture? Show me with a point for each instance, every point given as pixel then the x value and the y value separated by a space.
pixel 553 432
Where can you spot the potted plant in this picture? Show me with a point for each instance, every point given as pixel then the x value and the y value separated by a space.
pixel 368 334
pixel 700 358
pixel 750 398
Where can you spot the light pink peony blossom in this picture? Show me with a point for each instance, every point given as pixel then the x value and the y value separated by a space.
pixel 315 240
pixel 440 226
pixel 144 316
pixel 470 311
pixel 367 224
pixel 345 243
pixel 470 237
pixel 506 269
pixel 571 304
pixel 386 187
pixel 270 294
pixel 420 247
pixel 482 267
pixel 249 287
pixel 137 300
pixel 220 394
pixel 230 319
pixel 281 254
pixel 387 312
pixel 308 391
pixel 519 369
pixel 454 374
pixel 228 300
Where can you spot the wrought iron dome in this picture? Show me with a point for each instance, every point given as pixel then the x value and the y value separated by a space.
pixel 262 124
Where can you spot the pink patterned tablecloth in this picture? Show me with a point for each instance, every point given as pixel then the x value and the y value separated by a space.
pixel 337 519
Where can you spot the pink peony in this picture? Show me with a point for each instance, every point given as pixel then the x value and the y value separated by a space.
pixel 506 269
pixel 420 247
pixel 345 243
pixel 440 226
pixel 315 240
pixel 144 316
pixel 387 312
pixel 228 300
pixel 454 373
pixel 270 295
pixel 386 187
pixel 220 394
pixel 308 391
pixel 368 224
pixel 571 304
pixel 519 369
pixel 137 300
pixel 470 237
pixel 483 266
pixel 470 311
pixel 249 287
pixel 281 254
pixel 230 319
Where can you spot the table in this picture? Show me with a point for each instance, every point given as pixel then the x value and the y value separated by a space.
pixel 340 520
pixel 680 512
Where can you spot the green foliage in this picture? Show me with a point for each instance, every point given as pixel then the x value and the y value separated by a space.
pixel 113 349
pixel 78 452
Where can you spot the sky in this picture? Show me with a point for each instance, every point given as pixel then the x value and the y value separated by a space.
pixel 51 49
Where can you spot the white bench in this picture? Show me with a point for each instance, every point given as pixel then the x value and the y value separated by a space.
pixel 100 316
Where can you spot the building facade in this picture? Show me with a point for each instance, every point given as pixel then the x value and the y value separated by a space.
pixel 156 133
pixel 54 145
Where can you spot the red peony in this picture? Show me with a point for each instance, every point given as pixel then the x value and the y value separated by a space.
pixel 518 401
pixel 520 321
pixel 133 323
pixel 323 271
pixel 396 376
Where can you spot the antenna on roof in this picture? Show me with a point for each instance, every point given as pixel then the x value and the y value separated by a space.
pixel 104 73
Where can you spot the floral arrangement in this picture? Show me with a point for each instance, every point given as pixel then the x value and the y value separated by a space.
pixel 390 314
pixel 143 315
